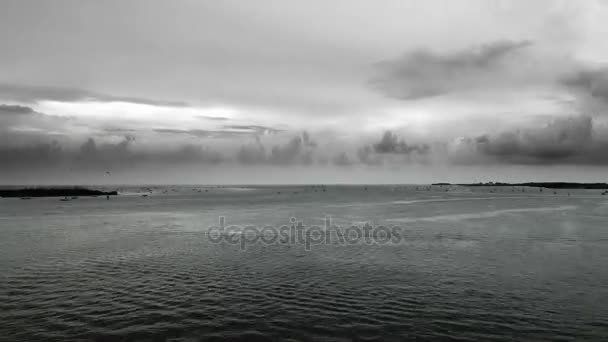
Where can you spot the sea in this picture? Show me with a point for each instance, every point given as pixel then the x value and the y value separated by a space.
pixel 306 263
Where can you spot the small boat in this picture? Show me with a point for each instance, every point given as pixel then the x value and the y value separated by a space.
pixel 144 195
pixel 64 199
pixel 26 198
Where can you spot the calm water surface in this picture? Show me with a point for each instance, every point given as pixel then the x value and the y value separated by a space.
pixel 482 265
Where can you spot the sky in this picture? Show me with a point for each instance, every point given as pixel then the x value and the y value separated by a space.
pixel 317 91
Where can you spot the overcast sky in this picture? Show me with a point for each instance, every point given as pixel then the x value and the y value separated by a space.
pixel 302 91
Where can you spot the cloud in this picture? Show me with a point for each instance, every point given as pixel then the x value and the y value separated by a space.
pixel 293 152
pixel 423 73
pixel 118 130
pixel 90 152
pixel 228 131
pixel 252 154
pixel 201 133
pixel 32 150
pixel 213 118
pixel 38 154
pixel 299 150
pixel 591 82
pixel 560 140
pixel 195 154
pixel 30 93
pixel 390 143
pixel 15 110
pixel 101 156
pixel 307 140
pixel 367 156
pixel 572 140
pixel 21 123
pixel 342 159
pixel 578 140
pixel 252 129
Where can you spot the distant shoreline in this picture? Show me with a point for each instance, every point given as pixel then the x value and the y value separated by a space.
pixel 548 185
pixel 12 191
pixel 54 192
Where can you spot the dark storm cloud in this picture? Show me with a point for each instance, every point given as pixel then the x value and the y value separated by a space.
pixel 342 159
pixel 93 155
pixel 299 150
pixel 590 82
pixel 424 73
pixel 22 123
pixel 35 149
pixel 34 155
pixel 254 153
pixel 390 143
pixel 295 151
pixel 559 140
pixel 15 110
pixel 367 156
pixel 563 141
pixel 307 140
pixel 90 151
pixel 29 93
pixel 195 153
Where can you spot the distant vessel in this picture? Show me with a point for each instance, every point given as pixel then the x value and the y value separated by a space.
pixel 64 199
